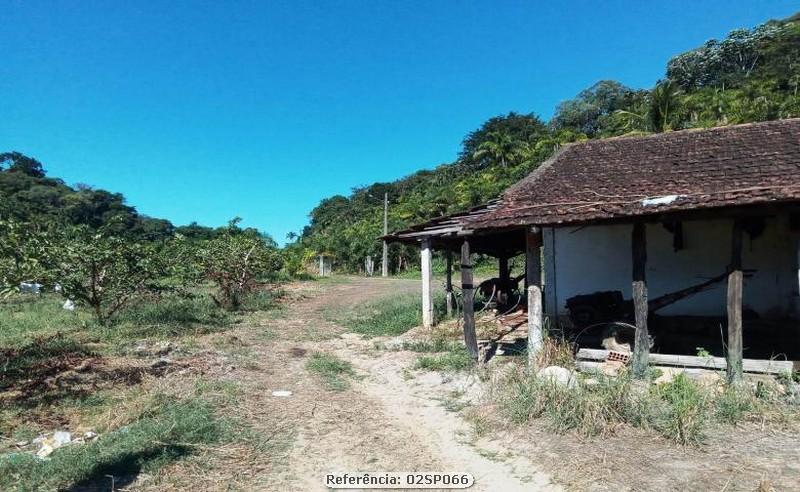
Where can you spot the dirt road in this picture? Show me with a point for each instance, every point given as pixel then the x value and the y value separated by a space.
pixel 383 422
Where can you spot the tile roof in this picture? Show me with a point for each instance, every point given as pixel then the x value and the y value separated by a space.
pixel 633 176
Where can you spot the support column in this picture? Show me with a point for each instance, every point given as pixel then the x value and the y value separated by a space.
pixel 427 280
pixel 533 257
pixel 470 338
pixel 449 284
pixel 734 301
pixel 321 266
pixel 550 290
pixel 641 350
pixel 533 279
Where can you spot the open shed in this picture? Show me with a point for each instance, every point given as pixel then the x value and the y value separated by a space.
pixel 692 237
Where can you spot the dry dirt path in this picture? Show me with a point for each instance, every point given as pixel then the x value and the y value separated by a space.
pixel 385 421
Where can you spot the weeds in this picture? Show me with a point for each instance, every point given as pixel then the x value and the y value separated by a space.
pixel 333 371
pixel 457 359
pixel 166 431
pixel 391 316
pixel 679 410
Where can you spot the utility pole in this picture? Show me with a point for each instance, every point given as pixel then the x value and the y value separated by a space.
pixel 385 263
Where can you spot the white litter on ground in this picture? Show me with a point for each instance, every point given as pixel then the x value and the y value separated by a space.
pixel 281 393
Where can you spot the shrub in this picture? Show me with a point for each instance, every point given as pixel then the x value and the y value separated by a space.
pixel 234 260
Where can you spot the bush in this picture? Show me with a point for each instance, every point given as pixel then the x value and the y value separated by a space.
pixel 234 260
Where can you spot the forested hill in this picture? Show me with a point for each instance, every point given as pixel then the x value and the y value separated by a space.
pixel 28 195
pixel 751 75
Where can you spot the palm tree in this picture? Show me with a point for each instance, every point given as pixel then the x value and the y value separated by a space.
pixel 500 148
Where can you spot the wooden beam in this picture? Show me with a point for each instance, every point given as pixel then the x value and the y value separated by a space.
pixel 550 276
pixel 448 287
pixel 468 291
pixel 734 306
pixel 716 363
pixel 504 273
pixel 427 281
pixel 533 258
pixel 641 349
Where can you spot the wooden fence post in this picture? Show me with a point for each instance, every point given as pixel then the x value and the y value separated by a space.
pixel 470 338
pixel 734 305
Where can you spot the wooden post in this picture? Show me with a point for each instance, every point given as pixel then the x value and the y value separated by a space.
pixel 533 280
pixel 503 274
pixel 641 350
pixel 734 354
pixel 449 284
pixel 427 280
pixel 550 278
pixel 533 258
pixel 470 338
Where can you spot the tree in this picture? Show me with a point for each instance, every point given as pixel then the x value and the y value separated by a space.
pixel 23 247
pixel 234 261
pixel 587 112
pixel 516 127
pixel 500 148
pixel 104 271
pixel 19 163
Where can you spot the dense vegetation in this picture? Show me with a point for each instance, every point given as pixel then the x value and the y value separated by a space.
pixel 751 75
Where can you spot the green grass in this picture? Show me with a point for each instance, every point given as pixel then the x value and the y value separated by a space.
pixel 335 373
pixel 390 316
pixel 456 359
pixel 432 346
pixel 167 430
pixel 680 410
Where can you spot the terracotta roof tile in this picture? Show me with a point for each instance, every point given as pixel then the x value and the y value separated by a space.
pixel 631 176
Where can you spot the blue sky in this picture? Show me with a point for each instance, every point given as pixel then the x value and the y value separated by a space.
pixel 209 110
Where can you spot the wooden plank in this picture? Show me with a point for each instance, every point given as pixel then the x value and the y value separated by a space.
pixel 468 291
pixel 535 324
pixel 718 363
pixel 427 281
pixel 449 299
pixel 734 305
pixel 641 348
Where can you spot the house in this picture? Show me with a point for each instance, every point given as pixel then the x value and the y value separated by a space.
pixel 682 235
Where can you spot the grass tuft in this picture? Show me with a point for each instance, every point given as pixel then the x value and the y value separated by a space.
pixel 333 371
pixel 456 359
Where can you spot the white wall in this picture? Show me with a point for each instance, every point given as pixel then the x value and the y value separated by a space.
pixel 597 258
